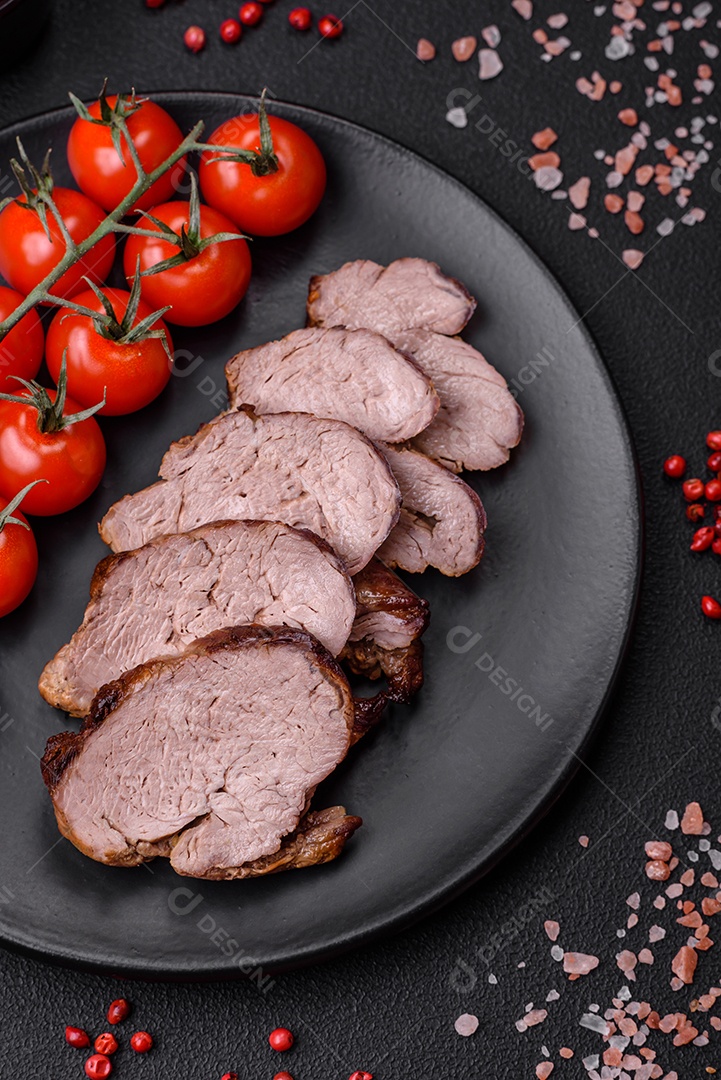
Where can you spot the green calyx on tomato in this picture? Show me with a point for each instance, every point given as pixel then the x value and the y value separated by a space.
pixel 189 240
pixel 35 184
pixel 114 117
pixel 6 515
pixel 263 162
pixel 50 413
pixel 121 331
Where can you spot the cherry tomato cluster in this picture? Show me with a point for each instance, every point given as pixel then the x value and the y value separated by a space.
pixel 109 350
pixel 99 1065
pixel 706 537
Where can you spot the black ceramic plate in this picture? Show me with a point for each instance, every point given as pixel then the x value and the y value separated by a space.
pixel 520 657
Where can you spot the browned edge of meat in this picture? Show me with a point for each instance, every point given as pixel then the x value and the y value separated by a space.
pixel 392 612
pixel 402 668
pixel 63 748
pixel 320 838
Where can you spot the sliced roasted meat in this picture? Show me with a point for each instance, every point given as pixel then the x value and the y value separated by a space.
pixel 209 758
pixel 160 598
pixel 479 421
pixel 442 519
pixel 321 475
pixel 405 294
pixel 385 639
pixel 351 375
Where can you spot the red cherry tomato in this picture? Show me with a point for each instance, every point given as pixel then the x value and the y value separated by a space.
pixel 18 559
pixel 71 460
pixel 98 169
pixel 21 350
pixel 264 205
pixel 204 288
pixel 27 256
pixel 131 375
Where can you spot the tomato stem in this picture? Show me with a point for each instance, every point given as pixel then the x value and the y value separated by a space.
pixel 263 162
pixel 36 186
pixel 107 324
pixel 50 413
pixel 189 241
pixel 6 515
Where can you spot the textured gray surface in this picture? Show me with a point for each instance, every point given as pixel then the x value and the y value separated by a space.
pixel 390 1008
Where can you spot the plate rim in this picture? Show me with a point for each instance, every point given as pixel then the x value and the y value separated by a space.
pixel 435 898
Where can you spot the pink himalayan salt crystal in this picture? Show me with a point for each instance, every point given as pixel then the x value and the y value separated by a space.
pixel 687 877
pixel 552 929
pixel 632 921
pixel 579 963
pixel 523 7
pixel 535 1016
pixel 632 258
pixel 626 961
pixel 709 880
pixel 692 820
pixel 489 64
pixel 466 1025
pixel 464 48
pixel 557 22
pixel 544 1069
pixel 425 49
pixel 656 870
pixel 548 177
pixel 492 36
pixel 578 194
pixel 575 223
pixel 674 891
pixel 656 933
pixel 684 964
pixel 635 201
pixel 634 901
pixel 645 956
pixel 583 840
pixel 655 849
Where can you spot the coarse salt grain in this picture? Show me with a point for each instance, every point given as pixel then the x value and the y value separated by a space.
pixel 464 48
pixel 544 139
pixel 578 195
pixel 425 49
pixel 632 258
pixel 523 7
pixel 547 178
pixel 489 64
pixel 466 1025
pixel 579 963
pixel 458 117
pixel 552 929
pixel 492 36
pixel 544 1070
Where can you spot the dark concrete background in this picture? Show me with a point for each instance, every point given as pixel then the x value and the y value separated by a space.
pixel 390 1008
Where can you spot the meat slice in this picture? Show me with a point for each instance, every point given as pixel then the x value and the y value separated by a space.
pixel 209 758
pixel 479 421
pixel 442 519
pixel 385 638
pixel 351 375
pixel 160 598
pixel 321 475
pixel 403 295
